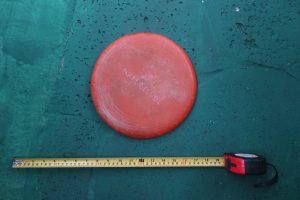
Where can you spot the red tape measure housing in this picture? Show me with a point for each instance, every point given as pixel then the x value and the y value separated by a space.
pixel 245 164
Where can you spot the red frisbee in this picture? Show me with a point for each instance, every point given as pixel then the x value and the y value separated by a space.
pixel 143 85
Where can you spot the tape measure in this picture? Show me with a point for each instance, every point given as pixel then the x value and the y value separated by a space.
pixel 118 162
pixel 238 163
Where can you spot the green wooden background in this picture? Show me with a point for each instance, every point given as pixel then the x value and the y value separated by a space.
pixel 247 59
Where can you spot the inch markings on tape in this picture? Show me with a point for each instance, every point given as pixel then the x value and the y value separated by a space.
pixel 115 162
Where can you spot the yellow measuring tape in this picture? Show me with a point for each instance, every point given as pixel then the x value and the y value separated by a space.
pixel 115 162
pixel 243 164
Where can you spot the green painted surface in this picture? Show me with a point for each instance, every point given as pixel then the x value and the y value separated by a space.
pixel 247 58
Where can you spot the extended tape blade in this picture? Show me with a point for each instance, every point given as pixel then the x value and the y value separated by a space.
pixel 118 162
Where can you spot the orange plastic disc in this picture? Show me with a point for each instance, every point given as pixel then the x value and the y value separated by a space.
pixel 143 85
